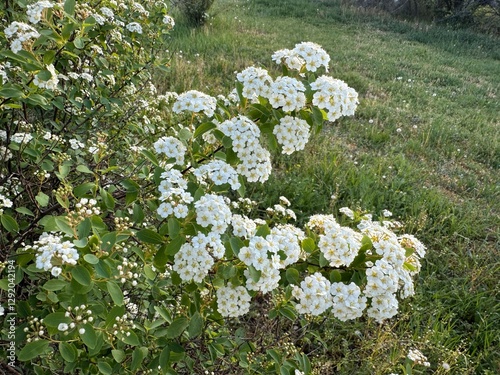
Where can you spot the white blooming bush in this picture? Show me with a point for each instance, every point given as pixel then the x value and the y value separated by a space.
pixel 124 208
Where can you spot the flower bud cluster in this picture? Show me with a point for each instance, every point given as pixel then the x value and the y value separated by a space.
pixel 79 315
pixel 195 101
pixel 255 160
pixel 52 251
pixel 219 172
pixel 123 325
pixel 123 224
pixel 83 209
pixel 292 134
pixel 233 301
pixel 125 272
pixel 334 96
pixel 34 330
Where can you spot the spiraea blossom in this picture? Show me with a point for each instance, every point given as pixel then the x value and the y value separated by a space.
pixel 292 134
pixel 219 172
pixel 195 101
pixel 20 33
pixel 335 97
pixel 348 302
pixel 233 301
pixel 307 54
pixel 172 147
pixel 287 93
pixel 52 250
pixel 35 11
pixel 255 160
pixel 340 245
pixel 51 83
pixel 212 210
pixel 256 82
pixel 313 295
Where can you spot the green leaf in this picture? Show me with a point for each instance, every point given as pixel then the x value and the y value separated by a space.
pixel 254 274
pixel 42 199
pixel 308 245
pixel 104 368
pixel 149 236
pixel 69 7
pixel 91 258
pixel 25 211
pixel 236 244
pixel 33 349
pixel 335 276
pixel 288 313
pixel 54 319
pixel 63 226
pixel 203 128
pixel 54 284
pixel 131 338
pixel 115 292
pixel 44 75
pixel 11 91
pixel 49 56
pixel 84 169
pixel 89 337
pixel 82 189
pixel 68 351
pixel 150 156
pixel 9 223
pixel 118 355
pixel 81 275
pixel 263 231
pixel 292 275
pixel 174 227
pixel 195 325
pixel 178 326
pixel 137 358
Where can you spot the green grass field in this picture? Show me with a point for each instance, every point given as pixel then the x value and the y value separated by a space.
pixel 423 144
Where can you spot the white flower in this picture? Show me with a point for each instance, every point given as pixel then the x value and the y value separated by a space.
pixel 56 271
pixel 81 331
pixel 62 327
pixel 134 27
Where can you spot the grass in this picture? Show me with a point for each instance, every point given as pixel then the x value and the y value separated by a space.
pixel 424 144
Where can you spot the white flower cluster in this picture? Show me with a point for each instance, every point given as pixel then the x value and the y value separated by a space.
pixel 256 82
pixel 292 134
pixel 313 295
pixel 287 93
pixel 219 172
pixel 172 147
pixel 243 226
pixel 35 11
pixel 334 96
pixel 52 250
pixel 195 101
pixel 348 302
pixel 174 196
pixel 287 239
pixel 5 154
pixel 212 210
pixel 4 201
pixel 20 33
pixel 306 53
pixel 21 138
pixel 339 245
pixel 321 222
pixel 417 356
pixel 76 144
pixel 51 83
pixel 194 259
pixel 233 301
pixel 169 21
pixel 3 73
pixel 134 27
pixel 255 160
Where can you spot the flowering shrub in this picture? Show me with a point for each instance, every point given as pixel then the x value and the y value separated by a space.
pixel 124 208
